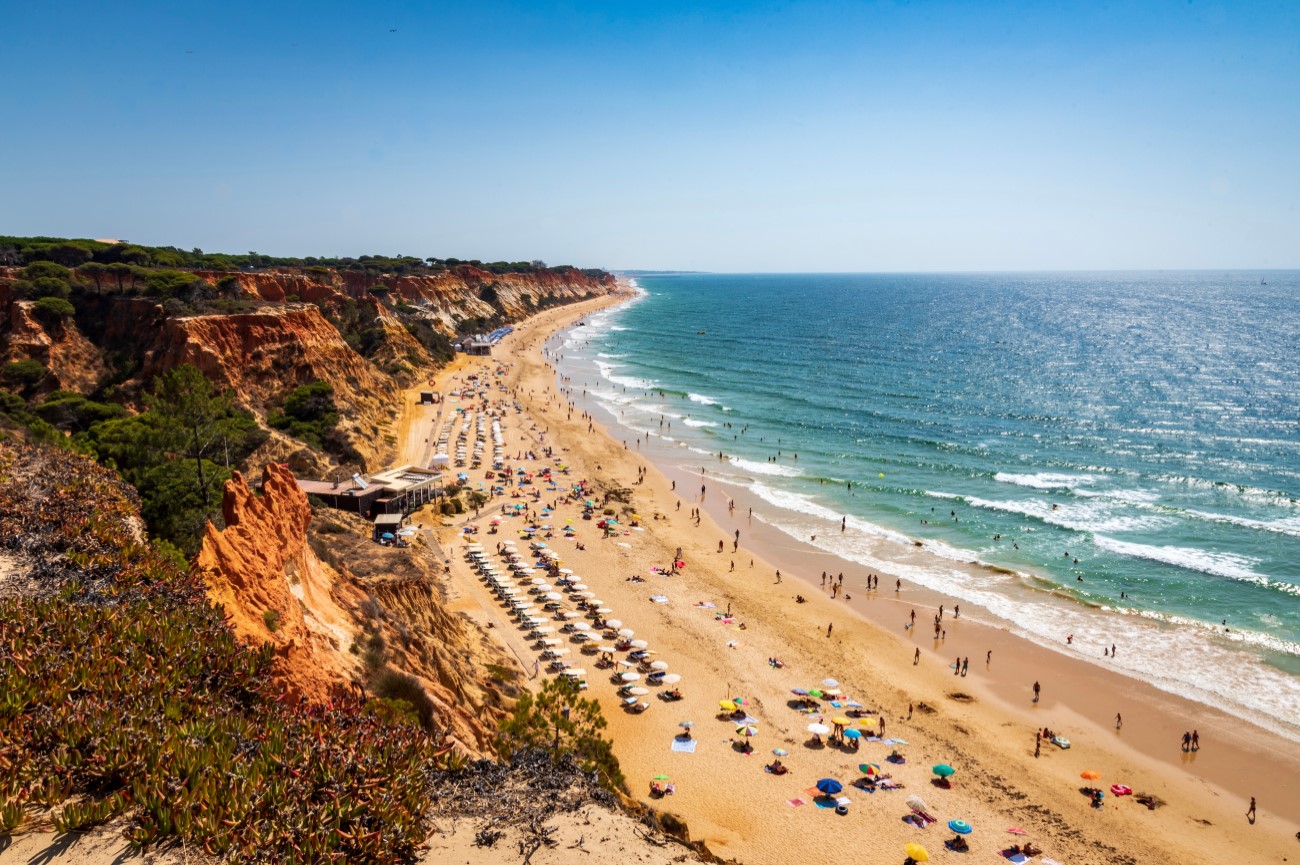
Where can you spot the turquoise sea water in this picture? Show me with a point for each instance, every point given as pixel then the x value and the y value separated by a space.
pixel 1146 423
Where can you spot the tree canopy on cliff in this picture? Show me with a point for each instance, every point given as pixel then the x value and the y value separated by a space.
pixel 76 252
pixel 179 453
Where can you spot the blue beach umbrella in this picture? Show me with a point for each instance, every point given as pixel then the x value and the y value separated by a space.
pixel 943 770
pixel 829 786
pixel 961 827
pixel 388 536
pixel 853 734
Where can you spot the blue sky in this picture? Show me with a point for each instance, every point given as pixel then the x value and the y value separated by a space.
pixel 725 136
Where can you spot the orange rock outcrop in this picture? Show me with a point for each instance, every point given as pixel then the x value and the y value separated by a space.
pixel 248 567
pixel 263 572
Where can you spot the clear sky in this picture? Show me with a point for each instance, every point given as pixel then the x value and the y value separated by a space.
pixel 742 136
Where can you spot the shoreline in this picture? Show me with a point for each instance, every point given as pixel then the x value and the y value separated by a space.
pixel 872 657
pixel 1239 757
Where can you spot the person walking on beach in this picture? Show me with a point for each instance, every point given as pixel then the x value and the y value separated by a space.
pixel 778 579
pixel 1037 691
pixel 913 617
pixel 956 667
pixel 1119 721
pixel 1250 812
pixel 882 726
pixel 1038 746
pixel 916 659
pixel 965 665
pixel 829 628
pixel 988 659
pixel 1187 741
pixel 1196 741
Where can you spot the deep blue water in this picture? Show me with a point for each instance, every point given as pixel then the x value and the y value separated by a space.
pixel 1146 423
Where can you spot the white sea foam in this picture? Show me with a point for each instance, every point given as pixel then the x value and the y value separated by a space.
pixel 764 468
pixel 1287 526
pixel 1178 655
pixel 1044 480
pixel 690 421
pixel 1089 515
pixel 1230 565
pixel 701 399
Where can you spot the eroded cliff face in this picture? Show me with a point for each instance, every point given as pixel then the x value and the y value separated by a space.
pixel 340 618
pixel 307 325
pixel 72 361
pixel 262 355
pixel 251 568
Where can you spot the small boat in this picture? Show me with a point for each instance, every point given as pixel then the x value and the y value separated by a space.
pixel 701 332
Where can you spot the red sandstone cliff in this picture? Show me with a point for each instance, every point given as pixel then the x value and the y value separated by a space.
pixel 338 622
pixel 73 362
pixel 261 355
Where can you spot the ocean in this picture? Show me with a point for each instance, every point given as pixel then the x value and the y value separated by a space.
pixel 1138 430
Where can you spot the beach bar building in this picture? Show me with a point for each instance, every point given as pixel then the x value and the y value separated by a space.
pixel 386 524
pixel 392 491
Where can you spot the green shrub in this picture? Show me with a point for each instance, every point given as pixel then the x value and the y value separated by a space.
pixel 559 719
pixel 53 310
pixel 399 687
pixel 24 374
pixel 271 618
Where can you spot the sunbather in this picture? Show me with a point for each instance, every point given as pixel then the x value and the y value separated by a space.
pixel 957 844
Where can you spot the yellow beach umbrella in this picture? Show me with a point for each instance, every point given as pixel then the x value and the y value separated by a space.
pixel 728 705
pixel 916 851
pixel 841 720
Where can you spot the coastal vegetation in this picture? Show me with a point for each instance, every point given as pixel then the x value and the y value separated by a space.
pixel 566 725
pixel 123 693
pixel 103 255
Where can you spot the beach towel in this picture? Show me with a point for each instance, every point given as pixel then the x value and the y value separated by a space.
pixel 895 741
pixel 749 719
pixel 659 599
pixel 686 746
pixel 706 605
pixel 844 800
pixel 837 704
pixel 1047 861
pixel 1018 858
pixel 795 803
pixel 813 791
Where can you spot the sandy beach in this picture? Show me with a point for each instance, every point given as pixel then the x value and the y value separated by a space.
pixel 983 724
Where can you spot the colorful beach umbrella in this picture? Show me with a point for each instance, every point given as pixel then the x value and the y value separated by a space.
pixel 781 752
pixel 830 683
pixel 1090 775
pixel 829 786
pixel 943 770
pixel 961 827
pixel 916 852
pixel 869 769
pixel 799 692
pixel 747 730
